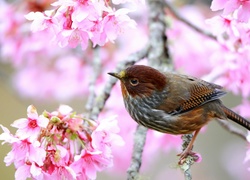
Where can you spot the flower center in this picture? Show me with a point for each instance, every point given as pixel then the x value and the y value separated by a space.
pixel 32 123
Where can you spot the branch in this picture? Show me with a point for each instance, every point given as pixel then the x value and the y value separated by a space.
pixel 232 129
pixel 188 23
pixel 158 56
pixel 159 53
pixel 102 98
pixel 96 69
pixel 139 142
pixel 189 161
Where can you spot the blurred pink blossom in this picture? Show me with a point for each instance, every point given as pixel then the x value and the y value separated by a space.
pixel 235 72
pixel 125 1
pixel 64 79
pixel 243 109
pixel 241 7
pixel 185 52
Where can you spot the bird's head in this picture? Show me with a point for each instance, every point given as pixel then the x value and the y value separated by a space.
pixel 139 80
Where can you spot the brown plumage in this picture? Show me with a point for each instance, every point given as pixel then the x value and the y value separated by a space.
pixel 173 103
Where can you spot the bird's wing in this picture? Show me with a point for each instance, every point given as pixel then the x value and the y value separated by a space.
pixel 185 93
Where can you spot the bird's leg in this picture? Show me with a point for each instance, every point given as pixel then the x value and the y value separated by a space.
pixel 188 150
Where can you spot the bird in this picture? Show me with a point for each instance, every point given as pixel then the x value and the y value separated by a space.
pixel 173 103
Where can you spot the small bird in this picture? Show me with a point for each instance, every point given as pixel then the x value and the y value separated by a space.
pixel 173 103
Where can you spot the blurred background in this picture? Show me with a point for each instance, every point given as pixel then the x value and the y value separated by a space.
pixel 32 71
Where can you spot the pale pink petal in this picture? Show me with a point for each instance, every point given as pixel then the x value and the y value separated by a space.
pixel 70 172
pixel 9 158
pixel 20 123
pixel 35 171
pixel 231 6
pixel 39 21
pixel 42 121
pixel 6 136
pixel 78 37
pixel 244 13
pixel 90 171
pixel 65 109
pixel 23 172
pixel 37 154
pixel 32 112
pixel 218 4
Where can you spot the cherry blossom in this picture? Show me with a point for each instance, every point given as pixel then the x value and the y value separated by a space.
pixel 54 152
pixel 77 22
pixel 240 7
pixel 30 127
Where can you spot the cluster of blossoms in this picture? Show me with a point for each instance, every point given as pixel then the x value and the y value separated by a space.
pixel 60 145
pixel 76 22
pixel 232 29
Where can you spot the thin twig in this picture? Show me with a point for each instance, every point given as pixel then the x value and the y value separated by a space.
pixel 102 98
pixel 232 129
pixel 188 23
pixel 139 142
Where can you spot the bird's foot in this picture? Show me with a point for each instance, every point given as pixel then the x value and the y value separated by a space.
pixel 185 154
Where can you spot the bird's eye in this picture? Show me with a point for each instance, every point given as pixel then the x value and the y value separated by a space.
pixel 134 82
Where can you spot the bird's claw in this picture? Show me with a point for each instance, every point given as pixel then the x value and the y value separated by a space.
pixel 184 155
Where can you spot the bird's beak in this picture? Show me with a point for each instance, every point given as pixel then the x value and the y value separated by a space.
pixel 116 75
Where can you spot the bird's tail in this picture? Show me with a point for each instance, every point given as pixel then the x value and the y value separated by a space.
pixel 236 118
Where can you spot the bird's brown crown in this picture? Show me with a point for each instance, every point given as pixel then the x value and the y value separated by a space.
pixel 139 80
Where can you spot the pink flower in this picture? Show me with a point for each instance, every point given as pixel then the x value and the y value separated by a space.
pixel 116 22
pixel 75 22
pixel 241 7
pixel 23 151
pixel 227 5
pixel 7 137
pixel 139 2
pixel 105 135
pixel 28 170
pixel 236 72
pixel 98 36
pixel 41 21
pixel 62 172
pixel 73 38
pixel 220 24
pixel 55 153
pixel 30 127
pixel 59 155
pixel 89 162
